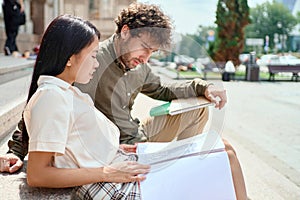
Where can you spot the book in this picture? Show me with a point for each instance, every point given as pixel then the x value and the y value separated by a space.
pixel 193 168
pixel 178 106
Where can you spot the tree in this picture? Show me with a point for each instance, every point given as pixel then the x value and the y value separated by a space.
pixel 231 18
pixel 270 19
pixel 298 18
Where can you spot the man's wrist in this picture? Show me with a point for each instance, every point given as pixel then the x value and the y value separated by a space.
pixel 16 148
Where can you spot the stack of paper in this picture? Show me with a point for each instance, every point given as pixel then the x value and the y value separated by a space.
pixel 194 168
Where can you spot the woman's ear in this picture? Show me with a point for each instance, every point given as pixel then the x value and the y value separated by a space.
pixel 69 64
pixel 125 32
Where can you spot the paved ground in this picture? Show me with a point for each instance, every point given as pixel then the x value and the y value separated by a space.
pixel 261 120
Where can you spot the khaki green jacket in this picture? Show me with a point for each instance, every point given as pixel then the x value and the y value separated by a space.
pixel 114 90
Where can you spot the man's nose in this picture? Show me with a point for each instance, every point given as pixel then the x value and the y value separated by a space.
pixel 146 55
pixel 96 64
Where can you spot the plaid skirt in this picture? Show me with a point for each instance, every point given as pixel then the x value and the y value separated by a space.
pixel 110 191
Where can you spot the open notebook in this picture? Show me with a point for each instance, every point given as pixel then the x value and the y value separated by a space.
pixel 177 106
pixel 194 168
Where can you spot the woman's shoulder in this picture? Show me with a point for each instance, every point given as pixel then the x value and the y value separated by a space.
pixel 49 97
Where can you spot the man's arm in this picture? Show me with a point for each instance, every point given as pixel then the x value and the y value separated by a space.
pixel 196 87
pixel 166 92
pixel 13 160
pixel 16 145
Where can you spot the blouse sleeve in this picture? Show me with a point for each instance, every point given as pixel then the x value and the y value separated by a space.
pixel 47 119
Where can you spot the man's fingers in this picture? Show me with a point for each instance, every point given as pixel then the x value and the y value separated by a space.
pixel 222 104
pixel 4 165
pixel 218 98
pixel 16 166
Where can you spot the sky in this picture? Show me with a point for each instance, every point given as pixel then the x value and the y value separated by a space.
pixel 189 14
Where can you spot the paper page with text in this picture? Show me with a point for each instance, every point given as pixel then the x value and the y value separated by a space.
pixel 194 168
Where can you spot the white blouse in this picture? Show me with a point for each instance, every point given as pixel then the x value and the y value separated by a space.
pixel 61 119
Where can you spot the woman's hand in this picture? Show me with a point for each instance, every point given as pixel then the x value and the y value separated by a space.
pixel 129 148
pixel 123 172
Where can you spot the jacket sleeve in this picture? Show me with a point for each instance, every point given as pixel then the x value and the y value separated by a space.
pixel 166 92
pixel 16 145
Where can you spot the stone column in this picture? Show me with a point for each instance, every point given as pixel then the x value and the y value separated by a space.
pixel 38 16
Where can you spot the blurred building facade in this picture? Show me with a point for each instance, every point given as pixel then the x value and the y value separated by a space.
pixel 41 12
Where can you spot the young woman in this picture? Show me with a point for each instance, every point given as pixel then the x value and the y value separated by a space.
pixel 71 143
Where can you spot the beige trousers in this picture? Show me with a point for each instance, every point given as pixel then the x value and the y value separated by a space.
pixel 166 128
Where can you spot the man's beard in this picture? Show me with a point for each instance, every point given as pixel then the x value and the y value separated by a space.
pixel 125 56
pixel 123 51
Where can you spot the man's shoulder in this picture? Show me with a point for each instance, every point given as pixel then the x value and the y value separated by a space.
pixel 106 47
pixel 144 68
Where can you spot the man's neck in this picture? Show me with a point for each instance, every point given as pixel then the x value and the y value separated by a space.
pixel 117 48
pixel 117 43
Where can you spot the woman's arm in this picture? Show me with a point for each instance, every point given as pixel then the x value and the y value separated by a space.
pixel 40 173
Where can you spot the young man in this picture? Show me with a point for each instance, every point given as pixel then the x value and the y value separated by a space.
pixel 124 72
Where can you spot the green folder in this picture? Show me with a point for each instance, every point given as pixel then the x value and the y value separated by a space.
pixel 177 106
pixel 160 110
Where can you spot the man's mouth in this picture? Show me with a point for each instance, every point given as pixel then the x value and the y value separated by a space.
pixel 136 62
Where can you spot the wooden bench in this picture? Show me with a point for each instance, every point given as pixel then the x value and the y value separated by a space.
pixel 294 69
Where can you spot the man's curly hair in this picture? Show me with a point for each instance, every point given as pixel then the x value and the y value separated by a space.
pixel 146 18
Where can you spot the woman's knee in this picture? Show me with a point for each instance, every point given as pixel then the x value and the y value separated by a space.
pixel 228 147
pixel 232 157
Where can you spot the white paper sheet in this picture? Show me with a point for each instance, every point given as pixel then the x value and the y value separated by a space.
pixel 178 172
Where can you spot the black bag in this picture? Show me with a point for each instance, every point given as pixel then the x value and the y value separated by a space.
pixel 22 18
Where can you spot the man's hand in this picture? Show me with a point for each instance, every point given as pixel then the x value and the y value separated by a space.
pixel 10 163
pixel 216 95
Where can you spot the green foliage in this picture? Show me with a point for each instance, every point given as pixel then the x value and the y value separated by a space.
pixel 270 19
pixel 232 16
pixel 298 18
pixel 195 45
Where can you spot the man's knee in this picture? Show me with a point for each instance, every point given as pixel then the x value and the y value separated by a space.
pixel 203 113
pixel 200 116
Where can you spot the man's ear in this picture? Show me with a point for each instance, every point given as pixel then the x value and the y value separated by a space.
pixel 125 32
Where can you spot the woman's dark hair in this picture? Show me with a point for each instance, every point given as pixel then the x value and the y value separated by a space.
pixel 66 35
